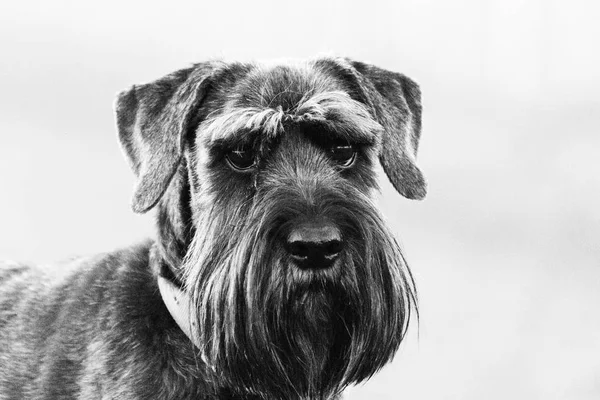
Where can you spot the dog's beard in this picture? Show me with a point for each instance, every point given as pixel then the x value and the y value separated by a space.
pixel 274 330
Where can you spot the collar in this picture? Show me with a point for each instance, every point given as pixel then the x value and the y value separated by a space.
pixel 177 301
pixel 179 305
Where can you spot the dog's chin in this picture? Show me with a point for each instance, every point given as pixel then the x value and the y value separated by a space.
pixel 313 334
pixel 314 313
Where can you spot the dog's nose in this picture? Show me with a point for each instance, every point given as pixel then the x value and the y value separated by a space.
pixel 315 245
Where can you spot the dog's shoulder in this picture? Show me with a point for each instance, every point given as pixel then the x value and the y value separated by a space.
pixel 52 316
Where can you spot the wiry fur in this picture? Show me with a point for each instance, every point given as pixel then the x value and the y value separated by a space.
pixel 312 333
pixel 267 329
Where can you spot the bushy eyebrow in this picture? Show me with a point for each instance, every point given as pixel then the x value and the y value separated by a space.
pixel 335 111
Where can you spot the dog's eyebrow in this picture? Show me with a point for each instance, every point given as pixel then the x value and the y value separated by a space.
pixel 341 116
pixel 336 111
pixel 235 124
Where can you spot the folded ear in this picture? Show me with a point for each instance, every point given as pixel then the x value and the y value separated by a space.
pixel 152 120
pixel 397 103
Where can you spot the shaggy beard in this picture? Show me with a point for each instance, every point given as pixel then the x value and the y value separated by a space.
pixel 271 329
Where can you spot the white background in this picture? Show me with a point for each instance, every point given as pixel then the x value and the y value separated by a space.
pixel 505 248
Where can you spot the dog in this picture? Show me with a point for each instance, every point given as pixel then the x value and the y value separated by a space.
pixel 273 274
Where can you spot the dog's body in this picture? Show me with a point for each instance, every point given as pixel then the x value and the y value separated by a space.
pixel 273 275
pixel 98 331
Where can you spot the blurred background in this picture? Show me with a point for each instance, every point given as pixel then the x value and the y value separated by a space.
pixel 505 247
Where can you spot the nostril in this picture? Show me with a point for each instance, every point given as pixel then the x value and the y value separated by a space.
pixel 332 248
pixel 315 255
pixel 299 249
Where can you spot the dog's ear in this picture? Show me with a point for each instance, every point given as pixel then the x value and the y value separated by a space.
pixel 152 121
pixel 396 100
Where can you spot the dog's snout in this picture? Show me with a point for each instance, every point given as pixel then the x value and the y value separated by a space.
pixel 315 245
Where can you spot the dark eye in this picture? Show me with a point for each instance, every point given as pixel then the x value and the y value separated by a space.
pixel 344 155
pixel 240 159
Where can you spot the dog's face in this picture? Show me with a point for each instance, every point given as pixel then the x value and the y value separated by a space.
pixel 264 177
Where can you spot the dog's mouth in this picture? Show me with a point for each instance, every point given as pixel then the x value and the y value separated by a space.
pixel 315 275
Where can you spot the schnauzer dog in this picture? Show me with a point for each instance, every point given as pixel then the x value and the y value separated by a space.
pixel 273 275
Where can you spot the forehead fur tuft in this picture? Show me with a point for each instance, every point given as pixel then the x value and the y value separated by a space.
pixel 314 102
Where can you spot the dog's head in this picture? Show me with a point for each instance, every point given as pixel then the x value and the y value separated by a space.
pixel 264 176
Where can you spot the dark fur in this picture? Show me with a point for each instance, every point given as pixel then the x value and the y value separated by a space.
pixel 268 329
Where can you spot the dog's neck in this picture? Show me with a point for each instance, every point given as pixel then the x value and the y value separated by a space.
pixel 166 255
pixel 179 305
pixel 173 295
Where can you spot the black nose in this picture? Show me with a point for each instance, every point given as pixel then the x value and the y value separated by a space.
pixel 315 245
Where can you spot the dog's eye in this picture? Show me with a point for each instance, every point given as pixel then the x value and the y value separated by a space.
pixel 344 155
pixel 240 159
